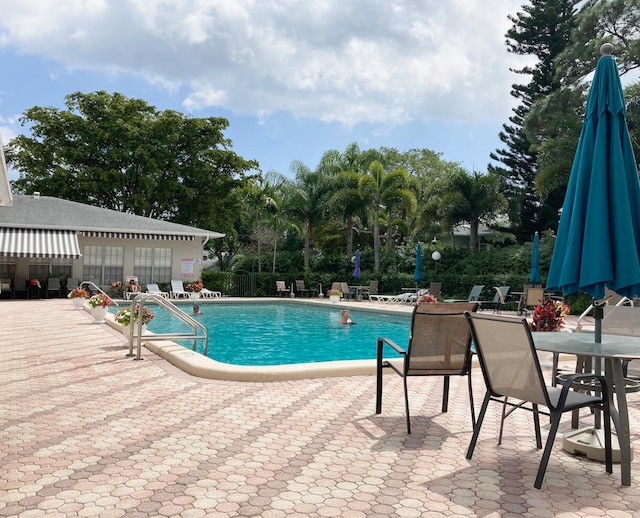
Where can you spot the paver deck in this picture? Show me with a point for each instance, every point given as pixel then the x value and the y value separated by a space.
pixel 87 431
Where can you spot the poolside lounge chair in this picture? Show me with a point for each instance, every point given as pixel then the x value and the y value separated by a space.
pixel 6 285
pixel 435 289
pixel 474 294
pixel 72 283
pixel 53 284
pixel 208 294
pixel 511 369
pixel 301 288
pixel 154 289
pixel 20 287
pixel 281 288
pixel 177 290
pixel 439 345
pixel 533 297
pixel 611 298
pixel 400 298
pixel 371 290
pixel 502 292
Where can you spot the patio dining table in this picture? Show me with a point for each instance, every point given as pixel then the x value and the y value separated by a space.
pixel 358 290
pixel 613 349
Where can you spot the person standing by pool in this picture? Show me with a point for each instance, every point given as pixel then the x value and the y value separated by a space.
pixel 345 317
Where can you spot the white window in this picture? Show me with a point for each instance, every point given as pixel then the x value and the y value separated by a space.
pixel 103 264
pixel 152 264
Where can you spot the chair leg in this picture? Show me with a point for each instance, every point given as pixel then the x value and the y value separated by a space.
pixel 406 403
pixel 379 379
pixel 555 422
pixel 476 428
pixel 445 395
pixel 471 403
pixel 502 418
pixel 536 425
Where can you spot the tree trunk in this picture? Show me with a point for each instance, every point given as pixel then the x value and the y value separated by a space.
pixel 307 243
pixel 473 235
pixel 376 240
pixel 349 237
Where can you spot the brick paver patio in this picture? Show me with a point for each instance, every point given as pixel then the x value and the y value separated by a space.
pixel 86 431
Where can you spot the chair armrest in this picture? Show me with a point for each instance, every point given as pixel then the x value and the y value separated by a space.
pixel 392 344
pixel 574 381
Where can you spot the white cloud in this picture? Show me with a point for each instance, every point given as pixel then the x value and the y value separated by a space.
pixel 350 61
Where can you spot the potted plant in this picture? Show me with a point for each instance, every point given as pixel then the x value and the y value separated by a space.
pixel 99 304
pixel 78 296
pixel 334 296
pixel 549 316
pixel 123 317
pixel 194 288
pixel 427 299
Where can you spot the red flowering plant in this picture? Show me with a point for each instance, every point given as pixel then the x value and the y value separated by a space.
pixel 123 316
pixel 79 293
pixel 427 299
pixel 195 286
pixel 100 299
pixel 550 315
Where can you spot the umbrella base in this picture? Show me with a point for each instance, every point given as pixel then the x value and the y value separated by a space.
pixel 589 442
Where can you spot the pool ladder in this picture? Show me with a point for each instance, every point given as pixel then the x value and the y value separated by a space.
pixel 144 299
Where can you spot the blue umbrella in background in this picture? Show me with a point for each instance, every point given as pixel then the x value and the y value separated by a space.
pixel 598 243
pixel 534 276
pixel 418 273
pixel 356 269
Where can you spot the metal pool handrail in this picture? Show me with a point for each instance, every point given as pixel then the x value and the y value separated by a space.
pixel 142 300
pixel 95 287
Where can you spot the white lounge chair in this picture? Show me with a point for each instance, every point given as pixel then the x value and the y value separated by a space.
pixel 154 289
pixel 177 290
pixel 402 298
pixel 208 294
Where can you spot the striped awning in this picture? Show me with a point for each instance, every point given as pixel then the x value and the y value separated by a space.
pixel 135 235
pixel 24 242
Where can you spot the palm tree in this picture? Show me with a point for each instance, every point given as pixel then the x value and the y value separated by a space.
pixel 472 198
pixel 305 201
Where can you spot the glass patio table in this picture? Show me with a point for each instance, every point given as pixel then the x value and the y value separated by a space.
pixel 613 349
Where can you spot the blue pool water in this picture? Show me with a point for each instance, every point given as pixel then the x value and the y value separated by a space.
pixel 275 334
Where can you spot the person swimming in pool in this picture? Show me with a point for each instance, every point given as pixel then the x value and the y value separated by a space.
pixel 196 310
pixel 344 314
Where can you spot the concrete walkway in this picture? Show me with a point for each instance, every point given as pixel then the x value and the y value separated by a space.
pixel 86 431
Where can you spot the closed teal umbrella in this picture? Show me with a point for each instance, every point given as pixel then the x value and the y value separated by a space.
pixel 534 276
pixel 356 269
pixel 598 242
pixel 417 276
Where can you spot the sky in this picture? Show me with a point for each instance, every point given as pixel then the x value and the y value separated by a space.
pixel 295 78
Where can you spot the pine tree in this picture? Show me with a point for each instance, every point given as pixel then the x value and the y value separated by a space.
pixel 541 30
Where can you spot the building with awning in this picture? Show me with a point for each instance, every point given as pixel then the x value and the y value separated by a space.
pixel 43 237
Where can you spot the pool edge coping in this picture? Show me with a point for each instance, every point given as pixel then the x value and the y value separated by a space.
pixel 198 365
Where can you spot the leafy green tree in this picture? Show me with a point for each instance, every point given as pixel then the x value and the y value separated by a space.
pixel 381 189
pixel 597 22
pixel 306 201
pixel 123 154
pixel 471 198
pixel 426 170
pixel 555 120
pixel 541 30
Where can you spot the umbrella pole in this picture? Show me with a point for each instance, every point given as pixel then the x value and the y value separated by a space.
pixel 598 314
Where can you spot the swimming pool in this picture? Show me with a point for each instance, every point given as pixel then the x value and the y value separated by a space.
pixel 280 334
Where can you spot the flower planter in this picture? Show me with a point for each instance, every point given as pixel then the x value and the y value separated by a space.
pixel 78 302
pixel 126 330
pixel 334 299
pixel 195 295
pixel 98 313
